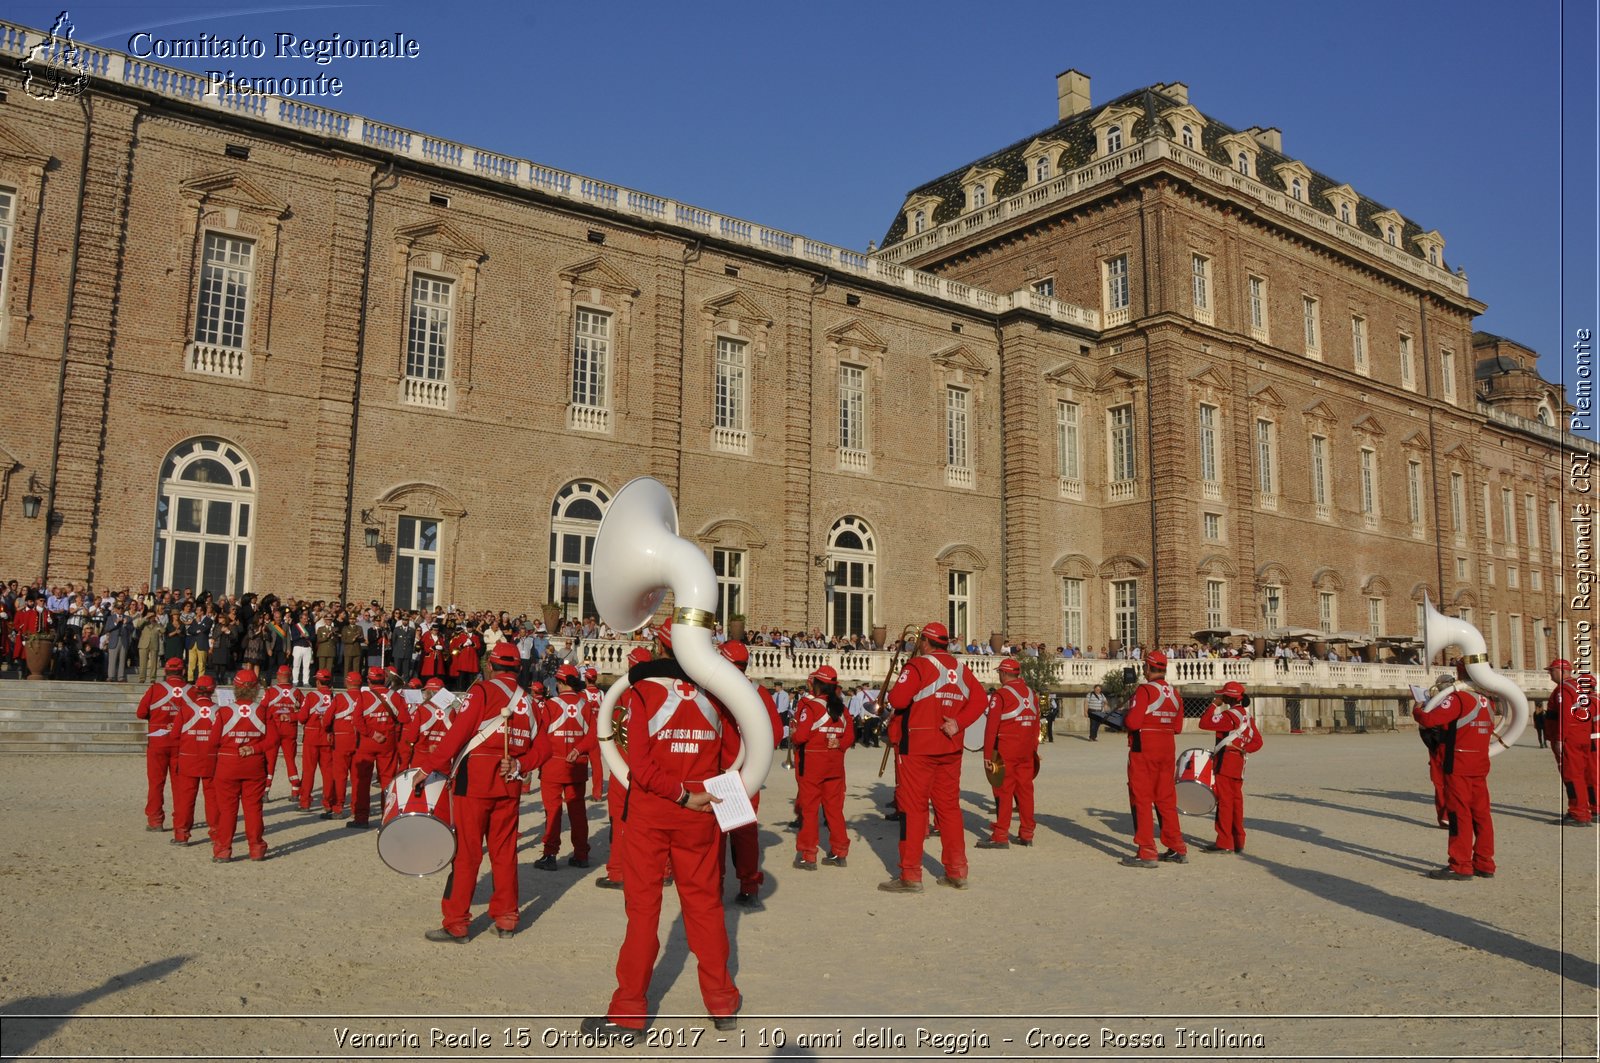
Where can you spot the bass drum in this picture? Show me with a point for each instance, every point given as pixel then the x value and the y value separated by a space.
pixel 417 837
pixel 972 738
pixel 1196 783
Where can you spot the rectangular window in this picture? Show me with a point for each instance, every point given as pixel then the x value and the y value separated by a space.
pixel 730 397
pixel 959 602
pixel 1211 526
pixel 1309 308
pixel 1535 580
pixel 1461 568
pixel 1358 343
pixel 1120 419
pixel 7 200
pixel 591 358
pixel 1488 573
pixel 729 567
pixel 1447 374
pixel 428 330
pixel 1508 511
pixel 1414 491
pixel 224 292
pixel 1068 460
pixel 1516 641
pixel 416 563
pixel 1457 502
pixel 1553 519
pixel 1375 618
pixel 1258 307
pixel 1072 611
pixel 958 455
pixel 1408 368
pixel 1216 602
pixel 1125 612
pixel 1488 514
pixel 1200 272
pixel 1272 608
pixel 1319 471
pixel 1369 482
pixel 1265 481
pixel 852 408
pixel 1117 293
pixel 1513 578
pixel 1046 287
pixel 1327 612
pixel 1533 521
pixel 1208 443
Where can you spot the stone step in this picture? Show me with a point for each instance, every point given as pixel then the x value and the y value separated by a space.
pixel 75 725
pixel 57 745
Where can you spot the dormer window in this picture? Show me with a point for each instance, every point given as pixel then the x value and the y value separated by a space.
pixel 1113 128
pixel 1344 213
pixel 1039 159
pixel 1391 236
pixel 1113 139
pixel 980 198
pixel 1244 163
pixel 1343 199
pixel 1241 149
pixel 1187 125
pixel 1295 189
pixel 1390 226
pixel 1041 170
pixel 1186 135
pixel 1432 245
pixel 919 221
pixel 979 185
pixel 918 213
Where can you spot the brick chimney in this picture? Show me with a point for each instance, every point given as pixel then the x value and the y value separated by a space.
pixel 1072 94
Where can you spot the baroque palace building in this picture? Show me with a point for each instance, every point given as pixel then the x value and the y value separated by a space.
pixel 1141 374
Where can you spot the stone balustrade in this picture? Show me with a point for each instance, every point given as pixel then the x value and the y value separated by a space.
pixel 213 360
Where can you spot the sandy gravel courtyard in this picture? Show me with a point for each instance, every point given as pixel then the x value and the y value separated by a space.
pixel 1323 940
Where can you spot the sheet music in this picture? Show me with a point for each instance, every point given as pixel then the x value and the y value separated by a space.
pixel 223 697
pixel 1420 695
pixel 412 697
pixel 443 699
pixel 733 807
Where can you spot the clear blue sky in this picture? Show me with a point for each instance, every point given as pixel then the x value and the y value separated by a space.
pixel 818 117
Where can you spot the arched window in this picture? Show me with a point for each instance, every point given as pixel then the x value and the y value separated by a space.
pixel 919 221
pixel 1344 213
pixel 980 196
pixel 574 521
pixel 853 560
pixel 1113 139
pixel 1244 164
pixel 1545 417
pixel 1188 137
pixel 1294 189
pixel 1041 169
pixel 1393 240
pixel 203 515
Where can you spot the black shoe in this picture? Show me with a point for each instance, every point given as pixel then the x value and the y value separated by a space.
pixel 1570 820
pixel 953 882
pixel 604 1030
pixel 1483 874
pixel 608 883
pixel 154 830
pixel 546 863
pixel 833 861
pixel 439 933
pixel 1022 841
pixel 353 825
pixel 221 859
pixel 1172 856
pixel 1216 849
pixel 573 861
pixel 794 824
pixel 1134 861
pixel 725 1022
pixel 1445 874
pixel 749 902
pixel 178 841
pixel 505 931
pixel 803 864
pixel 900 885
pixel 990 843
pixel 894 817
pixel 325 815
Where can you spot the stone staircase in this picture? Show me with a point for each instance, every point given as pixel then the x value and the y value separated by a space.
pixel 51 717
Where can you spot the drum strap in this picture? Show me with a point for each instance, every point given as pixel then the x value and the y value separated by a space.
pixel 1227 740
pixel 490 728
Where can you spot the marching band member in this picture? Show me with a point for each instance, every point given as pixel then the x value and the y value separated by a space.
pixel 617 801
pixel 1011 735
pixel 464 657
pixel 1469 725
pixel 244 734
pixel 934 700
pixel 427 727
pixel 561 780
pixel 380 720
pixel 1569 725
pixel 339 723
pixel 436 654
pixel 593 696
pixel 1433 739
pixel 822 732
pixel 492 743
pixel 1229 715
pixel 745 842
pixel 282 703
pixel 678 737
pixel 196 728
pixel 1155 716
pixel 160 706
pixel 316 756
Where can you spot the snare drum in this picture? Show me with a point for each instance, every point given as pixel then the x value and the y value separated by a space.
pixel 416 837
pixel 1195 783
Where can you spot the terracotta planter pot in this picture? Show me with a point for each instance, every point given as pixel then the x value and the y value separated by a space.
pixel 38 655
pixel 552 617
pixel 880 635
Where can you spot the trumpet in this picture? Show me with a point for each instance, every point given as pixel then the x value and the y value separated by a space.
pixel 888 685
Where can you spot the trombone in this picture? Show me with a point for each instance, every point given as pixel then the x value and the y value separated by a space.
pixel 888 685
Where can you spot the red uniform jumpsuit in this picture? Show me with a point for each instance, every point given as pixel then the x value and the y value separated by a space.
pixel 819 775
pixel 745 841
pixel 429 724
pixel 485 804
pixel 1469 726
pixel 339 722
pixel 244 734
pixel 1154 717
pixel 1433 738
pixel 593 696
pixel 282 703
pixel 196 762
pixel 160 706
pixel 561 780
pixel 379 724
pixel 677 738
pixel 1240 736
pixel 315 751
pixel 931 689
pixel 1012 734
pixel 1570 726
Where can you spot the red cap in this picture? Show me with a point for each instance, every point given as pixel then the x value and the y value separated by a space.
pixel 1011 664
pixel 590 675
pixel 205 684
pixel 664 632
pixel 538 687
pixel 825 674
pixel 1559 664
pixel 283 670
pixel 638 656
pixel 415 684
pixel 246 677
pixel 174 664
pixel 1232 691
pixel 324 676
pixel 433 684
pixel 566 672
pixel 505 656
pixel 376 677
pixel 736 652
pixel 1155 659
pixel 936 632
pixel 352 679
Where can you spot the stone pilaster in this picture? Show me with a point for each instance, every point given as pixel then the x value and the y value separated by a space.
pixel 667 339
pixel 798 446
pixel 1023 563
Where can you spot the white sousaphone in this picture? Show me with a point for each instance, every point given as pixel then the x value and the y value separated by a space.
pixel 1439 631
pixel 638 557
